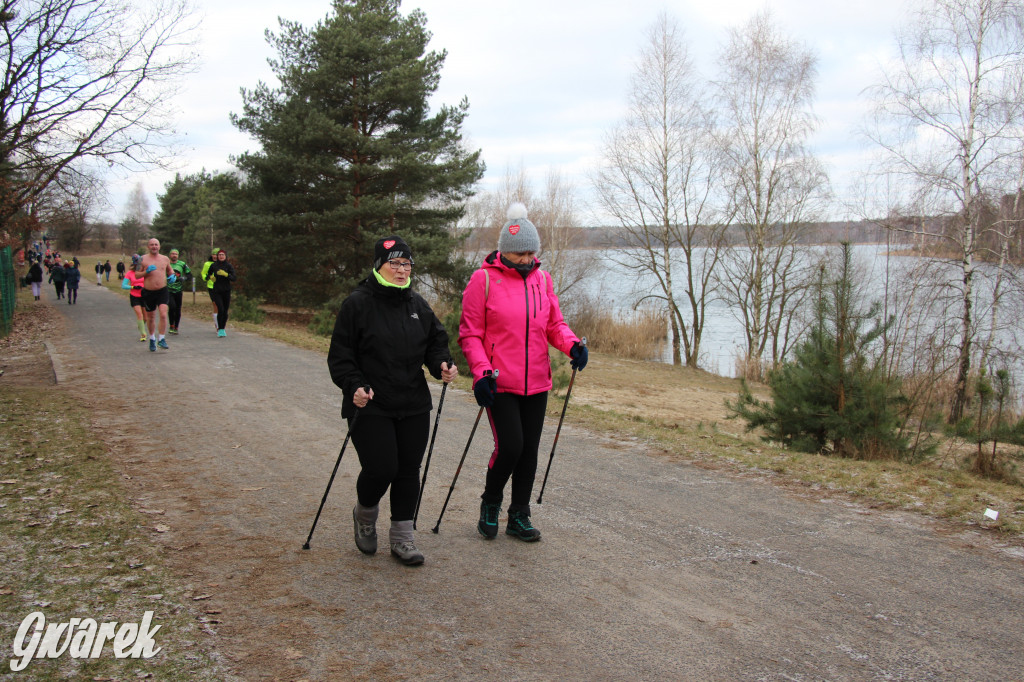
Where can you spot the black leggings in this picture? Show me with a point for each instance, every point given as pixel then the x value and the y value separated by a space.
pixel 390 451
pixel 516 423
pixel 222 299
pixel 73 294
pixel 59 287
pixel 174 309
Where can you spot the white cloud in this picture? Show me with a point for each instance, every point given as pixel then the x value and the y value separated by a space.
pixel 545 79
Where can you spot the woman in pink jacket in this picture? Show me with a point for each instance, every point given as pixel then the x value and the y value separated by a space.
pixel 134 280
pixel 510 315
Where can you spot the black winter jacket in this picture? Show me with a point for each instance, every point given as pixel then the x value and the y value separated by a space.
pixel 382 338
pixel 220 282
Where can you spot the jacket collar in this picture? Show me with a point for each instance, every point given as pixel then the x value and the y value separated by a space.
pixel 386 293
pixel 493 260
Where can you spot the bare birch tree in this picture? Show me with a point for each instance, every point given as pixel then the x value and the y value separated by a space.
pixel 85 80
pixel 135 219
pixel 948 119
pixel 656 180
pixel 777 187
pixel 68 205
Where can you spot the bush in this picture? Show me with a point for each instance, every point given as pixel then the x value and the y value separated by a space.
pixel 245 309
pixel 322 323
pixel 833 397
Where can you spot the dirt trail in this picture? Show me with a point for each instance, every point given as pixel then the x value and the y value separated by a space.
pixel 648 569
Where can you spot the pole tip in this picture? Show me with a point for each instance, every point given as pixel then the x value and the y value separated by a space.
pixel 434 529
pixel 305 546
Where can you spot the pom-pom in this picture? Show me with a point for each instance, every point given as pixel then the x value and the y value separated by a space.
pixel 516 211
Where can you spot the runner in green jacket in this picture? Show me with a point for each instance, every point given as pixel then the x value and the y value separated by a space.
pixel 208 278
pixel 175 289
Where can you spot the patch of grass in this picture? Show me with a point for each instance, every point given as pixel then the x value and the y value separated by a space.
pixel 73 548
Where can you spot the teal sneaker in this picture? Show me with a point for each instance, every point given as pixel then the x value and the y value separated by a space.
pixel 163 344
pixel 152 345
pixel 221 333
pixel 519 526
pixel 488 524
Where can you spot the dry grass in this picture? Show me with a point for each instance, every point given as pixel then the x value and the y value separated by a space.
pixel 72 545
pixel 639 336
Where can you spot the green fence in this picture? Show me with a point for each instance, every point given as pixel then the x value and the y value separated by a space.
pixel 7 291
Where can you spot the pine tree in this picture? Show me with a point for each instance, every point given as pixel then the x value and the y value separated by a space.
pixel 350 153
pixel 191 210
pixel 833 396
pixel 172 217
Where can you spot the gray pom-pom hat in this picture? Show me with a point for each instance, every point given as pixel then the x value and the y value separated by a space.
pixel 518 234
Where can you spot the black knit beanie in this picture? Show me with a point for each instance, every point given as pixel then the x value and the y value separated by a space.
pixel 390 247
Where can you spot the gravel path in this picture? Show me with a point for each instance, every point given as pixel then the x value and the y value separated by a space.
pixel 648 569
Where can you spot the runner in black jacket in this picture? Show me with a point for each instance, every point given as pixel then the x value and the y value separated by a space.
pixel 384 335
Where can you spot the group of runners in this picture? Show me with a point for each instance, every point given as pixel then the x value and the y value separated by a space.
pixel 155 283
pixel 383 336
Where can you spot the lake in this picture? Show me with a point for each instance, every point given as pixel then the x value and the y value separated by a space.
pixel 723 339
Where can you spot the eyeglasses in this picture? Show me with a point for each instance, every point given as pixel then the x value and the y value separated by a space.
pixel 401 264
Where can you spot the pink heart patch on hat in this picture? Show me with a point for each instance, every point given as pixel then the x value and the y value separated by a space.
pixel 513 230
pixel 389 243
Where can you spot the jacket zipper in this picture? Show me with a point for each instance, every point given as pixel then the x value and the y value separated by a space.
pixel 526 374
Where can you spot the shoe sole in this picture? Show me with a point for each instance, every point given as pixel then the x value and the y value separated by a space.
pixel 535 538
pixel 413 561
pixel 485 533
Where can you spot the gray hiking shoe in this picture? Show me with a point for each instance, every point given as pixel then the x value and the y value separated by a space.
pixel 402 547
pixel 407 553
pixel 365 521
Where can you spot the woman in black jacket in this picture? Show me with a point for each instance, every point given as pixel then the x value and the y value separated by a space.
pixel 72 275
pixel 35 278
pixel 384 335
pixel 223 274
pixel 57 278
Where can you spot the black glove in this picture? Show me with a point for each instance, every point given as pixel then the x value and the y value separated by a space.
pixel 485 388
pixel 579 355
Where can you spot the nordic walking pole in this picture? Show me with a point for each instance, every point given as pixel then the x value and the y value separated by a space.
pixel 331 481
pixel 430 450
pixel 459 469
pixel 568 392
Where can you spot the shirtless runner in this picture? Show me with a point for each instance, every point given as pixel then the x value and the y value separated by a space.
pixel 155 296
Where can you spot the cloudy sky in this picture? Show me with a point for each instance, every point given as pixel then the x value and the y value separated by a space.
pixel 545 79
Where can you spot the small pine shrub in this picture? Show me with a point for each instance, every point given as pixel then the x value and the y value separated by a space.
pixel 247 309
pixel 322 323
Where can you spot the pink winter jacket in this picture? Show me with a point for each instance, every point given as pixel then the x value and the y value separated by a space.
pixel 507 324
